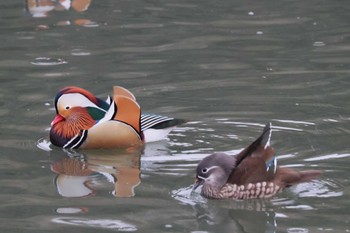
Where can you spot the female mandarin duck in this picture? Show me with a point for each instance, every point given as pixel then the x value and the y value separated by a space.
pixel 253 173
pixel 85 121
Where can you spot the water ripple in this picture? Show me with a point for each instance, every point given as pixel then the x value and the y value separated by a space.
pixel 80 52
pixel 44 144
pixel 113 224
pixel 142 25
pixel 327 157
pixel 199 42
pixel 319 188
pixel 47 61
pixel 248 124
pixel 187 197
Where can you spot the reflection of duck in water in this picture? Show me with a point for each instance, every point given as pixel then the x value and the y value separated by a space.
pixel 78 177
pixel 41 8
pixel 235 217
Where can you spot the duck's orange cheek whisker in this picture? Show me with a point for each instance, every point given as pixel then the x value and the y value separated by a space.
pixel 58 118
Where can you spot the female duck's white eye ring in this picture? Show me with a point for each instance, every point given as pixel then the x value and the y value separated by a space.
pixel 205 170
pixel 67 107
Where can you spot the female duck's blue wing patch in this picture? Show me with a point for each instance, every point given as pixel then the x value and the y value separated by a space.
pixel 271 165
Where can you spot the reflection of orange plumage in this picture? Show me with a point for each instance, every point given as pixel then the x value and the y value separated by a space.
pixel 82 22
pixel 41 8
pixel 81 5
pixel 127 170
pixel 71 167
pixel 43 3
pixel 76 178
pixel 127 179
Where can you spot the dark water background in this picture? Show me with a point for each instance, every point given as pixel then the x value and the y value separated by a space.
pixel 227 66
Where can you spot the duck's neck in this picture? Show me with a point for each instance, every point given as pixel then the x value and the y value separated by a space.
pixel 211 190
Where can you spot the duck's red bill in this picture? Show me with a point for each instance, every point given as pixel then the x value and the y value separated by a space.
pixel 57 119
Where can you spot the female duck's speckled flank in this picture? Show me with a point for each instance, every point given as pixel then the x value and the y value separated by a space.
pixel 253 173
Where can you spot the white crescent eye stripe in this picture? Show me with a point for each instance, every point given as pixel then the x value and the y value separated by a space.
pixel 210 176
pixel 212 167
pixel 208 169
pixel 76 99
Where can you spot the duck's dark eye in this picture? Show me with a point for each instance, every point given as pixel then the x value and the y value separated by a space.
pixel 67 107
pixel 204 170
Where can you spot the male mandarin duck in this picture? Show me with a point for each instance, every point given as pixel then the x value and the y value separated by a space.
pixel 85 121
pixel 253 173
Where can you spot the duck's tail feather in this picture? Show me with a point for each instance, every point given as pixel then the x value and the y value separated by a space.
pixel 262 141
pixel 287 177
pixel 153 121
pixel 169 123
pixel 156 127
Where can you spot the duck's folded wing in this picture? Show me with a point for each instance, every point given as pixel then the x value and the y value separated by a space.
pixel 255 168
pixel 257 162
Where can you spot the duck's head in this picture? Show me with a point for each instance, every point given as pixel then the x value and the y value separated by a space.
pixel 213 171
pixel 76 109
